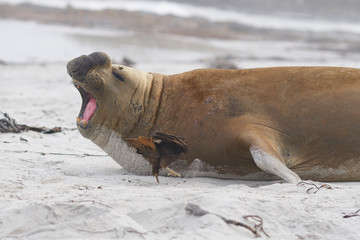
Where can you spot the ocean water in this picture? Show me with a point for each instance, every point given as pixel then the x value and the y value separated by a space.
pixel 207 12
pixel 31 42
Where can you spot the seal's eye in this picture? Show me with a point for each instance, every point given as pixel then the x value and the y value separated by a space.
pixel 118 77
pixel 117 74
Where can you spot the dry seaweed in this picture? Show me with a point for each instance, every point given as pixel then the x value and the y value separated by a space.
pixel 195 210
pixel 9 125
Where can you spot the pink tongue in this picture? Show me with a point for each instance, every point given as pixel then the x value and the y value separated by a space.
pixel 90 109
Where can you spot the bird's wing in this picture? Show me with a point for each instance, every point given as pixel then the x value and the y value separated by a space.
pixel 162 138
pixel 142 144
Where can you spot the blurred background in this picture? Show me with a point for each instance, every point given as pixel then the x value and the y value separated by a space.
pixel 179 35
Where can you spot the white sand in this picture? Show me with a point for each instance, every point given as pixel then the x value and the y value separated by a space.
pixel 50 188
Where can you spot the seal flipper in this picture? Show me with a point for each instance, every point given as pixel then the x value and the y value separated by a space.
pixel 271 164
pixel 264 141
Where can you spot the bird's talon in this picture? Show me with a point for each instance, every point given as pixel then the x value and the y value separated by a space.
pixel 172 173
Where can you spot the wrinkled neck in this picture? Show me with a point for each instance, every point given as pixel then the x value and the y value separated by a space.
pixel 149 104
pixel 137 118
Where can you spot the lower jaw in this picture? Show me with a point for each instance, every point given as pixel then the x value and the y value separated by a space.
pixel 86 132
pixel 82 123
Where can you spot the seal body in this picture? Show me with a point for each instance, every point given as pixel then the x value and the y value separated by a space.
pixel 257 124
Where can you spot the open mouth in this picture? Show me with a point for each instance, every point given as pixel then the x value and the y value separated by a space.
pixel 88 108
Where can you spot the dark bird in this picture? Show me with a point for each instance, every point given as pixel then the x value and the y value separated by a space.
pixel 160 150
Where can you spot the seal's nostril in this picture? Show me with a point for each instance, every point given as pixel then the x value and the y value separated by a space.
pixel 79 67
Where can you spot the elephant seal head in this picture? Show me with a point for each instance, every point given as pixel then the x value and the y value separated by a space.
pixel 114 97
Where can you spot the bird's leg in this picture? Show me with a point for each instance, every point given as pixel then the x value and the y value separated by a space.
pixel 155 169
pixel 157 177
pixel 172 172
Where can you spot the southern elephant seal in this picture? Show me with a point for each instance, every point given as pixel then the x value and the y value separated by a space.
pixel 255 124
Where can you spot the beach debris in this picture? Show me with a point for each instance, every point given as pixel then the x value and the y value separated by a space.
pixel 355 214
pixel 258 223
pixel 160 150
pixel 222 62
pixel 195 210
pixel 9 125
pixel 126 61
pixel 314 189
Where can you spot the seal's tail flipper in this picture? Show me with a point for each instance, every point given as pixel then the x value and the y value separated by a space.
pixel 271 164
